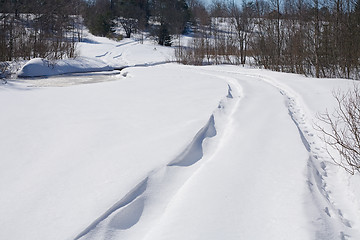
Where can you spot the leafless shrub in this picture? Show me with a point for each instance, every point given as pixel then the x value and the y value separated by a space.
pixel 193 55
pixel 343 134
pixel 3 69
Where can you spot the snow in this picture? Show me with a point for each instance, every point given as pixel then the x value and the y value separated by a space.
pixel 100 54
pixel 166 151
pixel 40 67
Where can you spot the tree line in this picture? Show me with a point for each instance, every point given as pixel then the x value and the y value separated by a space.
pixel 312 37
pixel 50 28
pixel 162 18
pixel 39 28
pixel 317 38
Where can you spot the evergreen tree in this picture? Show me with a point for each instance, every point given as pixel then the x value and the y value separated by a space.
pixel 99 18
pixel 172 16
pixel 132 14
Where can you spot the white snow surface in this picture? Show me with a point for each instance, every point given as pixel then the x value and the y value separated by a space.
pixel 100 54
pixel 165 151
pixel 40 67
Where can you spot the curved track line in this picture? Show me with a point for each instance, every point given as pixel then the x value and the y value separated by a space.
pixel 330 217
pixel 317 171
pixel 102 55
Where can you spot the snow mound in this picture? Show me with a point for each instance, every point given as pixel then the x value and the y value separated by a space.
pixel 41 67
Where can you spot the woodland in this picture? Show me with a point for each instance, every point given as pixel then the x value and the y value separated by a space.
pixel 318 38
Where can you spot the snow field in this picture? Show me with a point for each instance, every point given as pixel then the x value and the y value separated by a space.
pixel 248 190
pixel 165 151
pixel 84 147
pixel 151 197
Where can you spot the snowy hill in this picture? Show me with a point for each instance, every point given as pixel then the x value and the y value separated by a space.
pixel 166 151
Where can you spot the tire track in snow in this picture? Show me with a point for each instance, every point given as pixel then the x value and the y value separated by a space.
pixel 124 215
pixel 329 214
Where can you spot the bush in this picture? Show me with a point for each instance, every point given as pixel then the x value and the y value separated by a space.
pixel 193 55
pixel 344 133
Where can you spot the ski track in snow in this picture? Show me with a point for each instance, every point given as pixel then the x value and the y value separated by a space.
pixel 117 56
pixel 329 214
pixel 122 218
pixel 331 221
pixel 127 212
pixel 102 55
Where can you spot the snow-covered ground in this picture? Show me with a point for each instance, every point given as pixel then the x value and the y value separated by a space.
pixel 100 54
pixel 165 151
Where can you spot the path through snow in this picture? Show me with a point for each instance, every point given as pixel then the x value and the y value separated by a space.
pixel 143 207
pixel 254 171
pixel 165 151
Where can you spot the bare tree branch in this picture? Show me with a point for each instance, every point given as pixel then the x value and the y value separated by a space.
pixel 344 133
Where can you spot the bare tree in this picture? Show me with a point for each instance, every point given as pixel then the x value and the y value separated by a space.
pixel 241 19
pixel 172 16
pixel 46 29
pixel 343 134
pixel 131 14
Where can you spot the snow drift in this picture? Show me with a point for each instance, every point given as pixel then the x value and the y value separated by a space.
pixel 38 67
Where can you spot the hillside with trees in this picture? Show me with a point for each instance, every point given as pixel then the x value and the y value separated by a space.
pixel 46 29
pixel 313 38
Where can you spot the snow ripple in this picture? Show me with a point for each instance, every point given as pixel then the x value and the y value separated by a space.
pixel 131 210
pixel 194 152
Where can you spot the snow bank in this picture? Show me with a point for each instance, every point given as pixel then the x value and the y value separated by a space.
pixel 40 67
pixel 101 54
